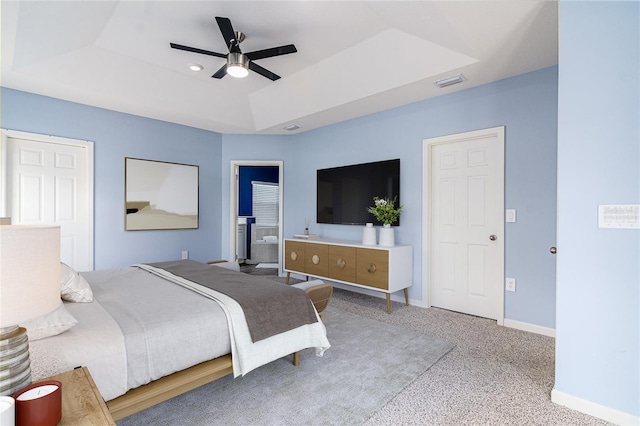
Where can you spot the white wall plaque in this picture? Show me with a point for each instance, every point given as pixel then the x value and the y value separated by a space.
pixel 623 216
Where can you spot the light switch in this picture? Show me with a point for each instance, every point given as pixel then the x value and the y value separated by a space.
pixel 511 215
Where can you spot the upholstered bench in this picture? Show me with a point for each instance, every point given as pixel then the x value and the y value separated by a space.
pixel 318 291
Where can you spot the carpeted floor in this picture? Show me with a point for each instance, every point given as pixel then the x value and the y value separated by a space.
pixel 493 376
pixel 368 363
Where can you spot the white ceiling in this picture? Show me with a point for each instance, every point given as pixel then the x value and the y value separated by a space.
pixel 354 57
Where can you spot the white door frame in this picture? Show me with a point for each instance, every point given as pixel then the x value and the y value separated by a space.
pixel 233 203
pixel 426 206
pixel 88 149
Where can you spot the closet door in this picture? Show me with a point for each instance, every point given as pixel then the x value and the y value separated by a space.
pixel 47 183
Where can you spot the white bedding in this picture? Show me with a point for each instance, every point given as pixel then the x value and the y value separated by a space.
pixel 130 310
pixel 246 354
pixel 102 352
pixel 125 340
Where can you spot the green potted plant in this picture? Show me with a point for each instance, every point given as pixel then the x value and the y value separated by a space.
pixel 386 212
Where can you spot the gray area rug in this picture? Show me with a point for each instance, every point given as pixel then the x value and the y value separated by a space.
pixel 368 364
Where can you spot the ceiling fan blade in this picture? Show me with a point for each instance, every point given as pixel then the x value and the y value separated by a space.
pixel 228 34
pixel 263 72
pixel 196 50
pixel 221 72
pixel 274 51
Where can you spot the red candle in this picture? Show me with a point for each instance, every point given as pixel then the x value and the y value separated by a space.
pixel 39 404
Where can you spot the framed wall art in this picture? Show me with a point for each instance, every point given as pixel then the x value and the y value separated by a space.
pixel 160 195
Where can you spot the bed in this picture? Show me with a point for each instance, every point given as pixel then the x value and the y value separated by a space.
pixel 149 333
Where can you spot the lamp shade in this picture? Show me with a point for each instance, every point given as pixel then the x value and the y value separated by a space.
pixel 29 272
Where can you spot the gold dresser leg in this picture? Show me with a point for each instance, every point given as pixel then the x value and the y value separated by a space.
pixel 406 296
pixel 288 276
pixel 388 303
pixel 296 358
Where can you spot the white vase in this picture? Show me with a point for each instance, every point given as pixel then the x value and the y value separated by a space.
pixel 369 235
pixel 386 236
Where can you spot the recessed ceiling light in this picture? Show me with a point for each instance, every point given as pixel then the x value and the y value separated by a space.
pixel 292 127
pixel 196 67
pixel 450 81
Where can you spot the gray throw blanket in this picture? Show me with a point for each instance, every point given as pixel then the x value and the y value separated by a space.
pixel 270 308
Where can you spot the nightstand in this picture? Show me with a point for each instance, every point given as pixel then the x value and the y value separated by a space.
pixel 82 403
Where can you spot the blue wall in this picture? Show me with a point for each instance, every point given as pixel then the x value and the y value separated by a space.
pixel 116 136
pixel 526 105
pixel 598 322
pixel 248 174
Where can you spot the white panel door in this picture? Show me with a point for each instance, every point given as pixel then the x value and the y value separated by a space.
pixel 47 184
pixel 466 250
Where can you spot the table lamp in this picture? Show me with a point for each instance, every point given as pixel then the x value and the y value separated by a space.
pixel 29 288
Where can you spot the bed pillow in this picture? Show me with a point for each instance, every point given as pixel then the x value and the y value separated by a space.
pixel 50 324
pixel 73 286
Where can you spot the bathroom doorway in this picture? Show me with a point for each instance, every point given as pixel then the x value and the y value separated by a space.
pixel 256 215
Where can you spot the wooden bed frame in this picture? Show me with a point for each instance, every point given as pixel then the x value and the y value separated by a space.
pixel 169 386
pixel 175 384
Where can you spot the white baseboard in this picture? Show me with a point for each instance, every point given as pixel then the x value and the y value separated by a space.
pixel 593 409
pixel 532 328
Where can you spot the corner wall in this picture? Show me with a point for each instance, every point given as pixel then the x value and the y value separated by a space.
pixel 598 278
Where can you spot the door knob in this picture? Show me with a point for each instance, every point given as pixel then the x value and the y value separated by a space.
pixel 493 237
pixel 553 250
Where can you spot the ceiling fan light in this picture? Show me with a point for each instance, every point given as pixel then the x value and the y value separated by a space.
pixel 237 65
pixel 237 71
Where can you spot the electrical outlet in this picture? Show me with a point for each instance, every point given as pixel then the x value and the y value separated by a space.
pixel 185 254
pixel 511 284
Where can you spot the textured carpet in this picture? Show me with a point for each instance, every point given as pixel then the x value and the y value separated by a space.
pixel 494 376
pixel 368 364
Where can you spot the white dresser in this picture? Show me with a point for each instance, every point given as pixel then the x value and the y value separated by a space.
pixel 385 269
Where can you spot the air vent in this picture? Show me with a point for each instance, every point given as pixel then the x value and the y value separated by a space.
pixel 450 81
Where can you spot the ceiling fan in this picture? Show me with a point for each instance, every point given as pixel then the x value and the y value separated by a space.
pixel 238 62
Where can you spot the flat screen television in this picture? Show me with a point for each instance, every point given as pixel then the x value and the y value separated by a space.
pixel 344 193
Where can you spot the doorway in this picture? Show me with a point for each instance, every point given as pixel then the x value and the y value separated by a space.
pixel 49 181
pixel 257 232
pixel 464 207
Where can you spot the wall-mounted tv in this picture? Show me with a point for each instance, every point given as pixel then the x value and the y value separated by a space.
pixel 344 193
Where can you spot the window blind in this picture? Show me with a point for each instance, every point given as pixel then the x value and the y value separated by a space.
pixel 265 203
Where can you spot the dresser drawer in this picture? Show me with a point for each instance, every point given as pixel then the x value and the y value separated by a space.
pixel 342 263
pixel 316 259
pixel 372 268
pixel 294 255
